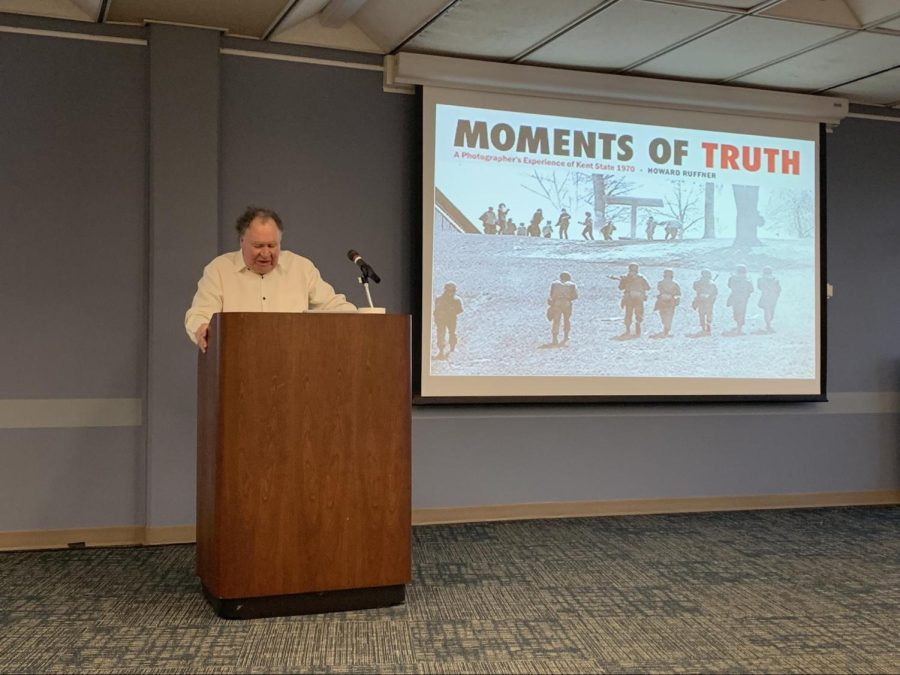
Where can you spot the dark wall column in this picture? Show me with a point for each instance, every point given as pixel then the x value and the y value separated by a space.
pixel 183 207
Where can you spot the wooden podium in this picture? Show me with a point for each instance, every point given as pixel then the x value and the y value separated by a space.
pixel 303 463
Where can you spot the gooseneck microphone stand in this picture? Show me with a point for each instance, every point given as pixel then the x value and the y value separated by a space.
pixel 366 273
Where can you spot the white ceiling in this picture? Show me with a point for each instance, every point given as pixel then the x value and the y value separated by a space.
pixel 848 48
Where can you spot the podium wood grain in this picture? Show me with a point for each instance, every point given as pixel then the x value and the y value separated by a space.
pixel 303 454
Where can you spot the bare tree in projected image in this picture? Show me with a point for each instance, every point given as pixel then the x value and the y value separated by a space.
pixel 685 203
pixel 748 220
pixel 790 213
pixel 709 210
pixel 605 187
pixel 577 191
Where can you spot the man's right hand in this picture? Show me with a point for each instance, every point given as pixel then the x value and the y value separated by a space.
pixel 201 335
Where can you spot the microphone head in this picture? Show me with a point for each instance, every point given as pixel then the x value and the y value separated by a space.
pixel 352 255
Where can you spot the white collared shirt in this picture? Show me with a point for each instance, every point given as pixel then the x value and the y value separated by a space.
pixel 228 285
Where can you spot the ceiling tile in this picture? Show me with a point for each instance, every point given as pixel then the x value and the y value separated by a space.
pixel 55 9
pixel 831 12
pixel 881 89
pixel 496 28
pixel 737 47
pixel 236 16
pixel 89 7
pixel 312 32
pixel 298 12
pixel 625 33
pixel 389 23
pixel 873 11
pixel 849 58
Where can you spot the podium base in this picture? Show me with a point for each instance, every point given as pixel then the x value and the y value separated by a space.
pixel 306 603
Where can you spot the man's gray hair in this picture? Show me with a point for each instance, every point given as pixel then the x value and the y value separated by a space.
pixel 253 212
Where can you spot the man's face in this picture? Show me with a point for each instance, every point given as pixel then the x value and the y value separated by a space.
pixel 261 245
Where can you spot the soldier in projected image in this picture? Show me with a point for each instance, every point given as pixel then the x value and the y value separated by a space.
pixel 489 221
pixel 562 294
pixel 666 302
pixel 588 223
pixel 741 290
pixel 447 307
pixel 705 294
pixel 634 287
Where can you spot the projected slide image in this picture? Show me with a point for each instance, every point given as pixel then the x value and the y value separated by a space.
pixel 514 315
pixel 582 248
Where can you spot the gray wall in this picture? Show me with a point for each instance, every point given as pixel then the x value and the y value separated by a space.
pixel 183 198
pixel 73 312
pixel 95 283
pixel 335 156
pixel 863 253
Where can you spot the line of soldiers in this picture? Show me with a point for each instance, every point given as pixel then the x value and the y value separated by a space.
pixel 635 287
pixel 500 222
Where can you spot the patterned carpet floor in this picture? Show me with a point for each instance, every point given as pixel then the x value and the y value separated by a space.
pixel 799 591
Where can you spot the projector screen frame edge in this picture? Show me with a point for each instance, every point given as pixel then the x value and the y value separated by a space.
pixel 475 75
pixel 549 402
pixel 822 242
pixel 546 401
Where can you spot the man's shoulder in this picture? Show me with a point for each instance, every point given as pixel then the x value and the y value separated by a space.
pixel 226 260
pixel 289 259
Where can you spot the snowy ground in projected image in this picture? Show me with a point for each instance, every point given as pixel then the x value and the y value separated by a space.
pixel 503 283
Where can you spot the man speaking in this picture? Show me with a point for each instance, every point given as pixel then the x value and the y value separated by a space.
pixel 260 277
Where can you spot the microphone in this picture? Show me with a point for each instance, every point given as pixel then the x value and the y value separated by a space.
pixel 367 271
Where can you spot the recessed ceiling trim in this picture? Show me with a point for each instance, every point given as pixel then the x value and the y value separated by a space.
pixel 809 22
pixel 876 30
pixel 300 59
pixel 180 24
pixel 338 12
pixel 878 22
pixel 856 79
pixel 562 31
pixel 760 6
pixel 508 78
pixel 278 19
pixel 425 25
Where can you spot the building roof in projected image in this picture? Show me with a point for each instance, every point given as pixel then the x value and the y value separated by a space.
pixel 845 48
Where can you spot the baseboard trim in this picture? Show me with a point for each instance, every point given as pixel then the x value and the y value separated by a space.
pixel 175 534
pixel 187 534
pixel 633 507
pixel 96 537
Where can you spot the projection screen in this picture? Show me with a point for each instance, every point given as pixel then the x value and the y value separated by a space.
pixel 578 249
